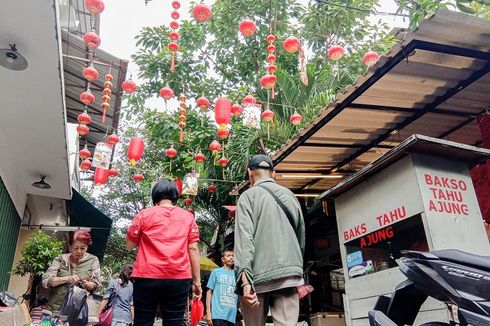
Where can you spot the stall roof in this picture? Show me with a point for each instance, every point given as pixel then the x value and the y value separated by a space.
pixel 414 144
pixel 434 81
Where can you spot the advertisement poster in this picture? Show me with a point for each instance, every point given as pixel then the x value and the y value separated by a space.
pixel 189 186
pixel 251 116
pixel 102 156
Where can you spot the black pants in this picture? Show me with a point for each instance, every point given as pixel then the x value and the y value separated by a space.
pixel 221 322
pixel 171 295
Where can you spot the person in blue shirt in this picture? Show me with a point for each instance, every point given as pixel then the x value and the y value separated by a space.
pixel 221 300
pixel 123 311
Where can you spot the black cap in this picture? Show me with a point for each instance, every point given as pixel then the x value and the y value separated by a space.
pixel 260 162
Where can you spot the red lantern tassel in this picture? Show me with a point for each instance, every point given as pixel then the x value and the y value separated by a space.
pixel 273 90
pixel 172 62
pixel 181 137
pixel 103 116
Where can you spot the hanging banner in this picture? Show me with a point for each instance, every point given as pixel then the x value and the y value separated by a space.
pixel 102 156
pixel 251 115
pixel 189 186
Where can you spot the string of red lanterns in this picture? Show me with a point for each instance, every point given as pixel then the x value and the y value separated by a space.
pixel 182 117
pixel 174 35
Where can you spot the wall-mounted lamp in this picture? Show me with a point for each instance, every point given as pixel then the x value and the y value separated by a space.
pixel 42 184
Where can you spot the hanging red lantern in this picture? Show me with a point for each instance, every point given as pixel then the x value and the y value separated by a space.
pixel 138 178
pixel 178 183
pixel 336 52
pixel 167 93
pixel 203 103
pixel 182 117
pixel 174 25
pixel 173 47
pixel 108 77
pixel 87 98
pixel 223 162
pixel 105 106
pixel 202 13
pixel 82 129
pixel 212 188
pixel 106 98
pixel 100 176
pixel 107 91
pixel 292 44
pixel 268 115
pixel 94 7
pixel 83 118
pixel 222 111
pixel 113 173
pixel 171 152
pixel 199 158
pixel 84 153
pixel 86 165
pixel 188 201
pixel 92 40
pixel 182 125
pixel 112 139
pixel 270 38
pixel 175 14
pixel 174 36
pixel 175 4
pixel 296 119
pixel 90 73
pixel 249 100
pixel 108 84
pixel 268 81
pixel 236 110
pixel 129 86
pixel 271 48
pixel 370 58
pixel 247 28
pixel 271 58
pixel 223 133
pixel 182 111
pixel 272 69
pixel 215 147
pixel 135 150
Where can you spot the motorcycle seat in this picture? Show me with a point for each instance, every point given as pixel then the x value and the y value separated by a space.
pixel 464 258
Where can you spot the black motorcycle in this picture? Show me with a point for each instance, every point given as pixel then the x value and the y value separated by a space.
pixel 459 279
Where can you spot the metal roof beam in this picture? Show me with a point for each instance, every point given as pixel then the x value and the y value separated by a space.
pixel 407 110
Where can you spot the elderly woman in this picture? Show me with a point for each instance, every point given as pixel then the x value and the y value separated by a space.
pixel 167 263
pixel 75 267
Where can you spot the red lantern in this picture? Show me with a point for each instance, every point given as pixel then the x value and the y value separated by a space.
pixel 82 129
pixel 223 133
pixel 138 177
pixel 175 14
pixel 182 125
pixel 171 152
pixel 106 98
pixel 107 84
pixel 178 183
pixel 112 139
pixel 271 58
pixel 370 58
pixel 174 25
pixel 135 150
pixel 90 73
pixel 268 81
pixel 94 6
pixel 212 188
pixel 175 4
pixel 270 38
pixel 86 165
pixel 202 13
pixel 271 48
pixel 199 157
pixel 247 28
pixel 249 100
pixel 84 153
pixel 174 36
pixel 188 201
pixel 215 147
pixel 106 91
pixel 100 176
pixel 336 52
pixel 129 86
pixel 272 69
pixel 92 40
pixel 167 93
pixel 222 111
pixel 203 103
pixel 223 162
pixel 87 98
pixel 174 47
pixel 105 106
pixel 182 117
pixel 296 118
pixel 83 118
pixel 236 110
pixel 268 115
pixel 113 173
pixel 108 77
pixel 182 111
pixel 291 44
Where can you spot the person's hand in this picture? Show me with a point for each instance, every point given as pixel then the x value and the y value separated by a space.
pixel 196 290
pixel 89 286
pixel 250 297
pixel 73 279
pixel 209 319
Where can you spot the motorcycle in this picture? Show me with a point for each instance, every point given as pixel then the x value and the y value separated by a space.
pixel 460 280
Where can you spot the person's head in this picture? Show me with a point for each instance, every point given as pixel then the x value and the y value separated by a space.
pixel 260 167
pixel 125 274
pixel 79 241
pixel 164 189
pixel 228 258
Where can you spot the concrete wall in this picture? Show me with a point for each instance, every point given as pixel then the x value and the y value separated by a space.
pixel 18 284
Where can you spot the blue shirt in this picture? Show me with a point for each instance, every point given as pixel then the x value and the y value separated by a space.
pixel 224 300
pixel 123 302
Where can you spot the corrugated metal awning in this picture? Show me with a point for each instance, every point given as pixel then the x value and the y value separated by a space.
pixel 434 82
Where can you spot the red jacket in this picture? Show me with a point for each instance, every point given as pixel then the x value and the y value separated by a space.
pixel 163 235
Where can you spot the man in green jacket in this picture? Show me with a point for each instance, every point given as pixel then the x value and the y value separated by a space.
pixel 269 246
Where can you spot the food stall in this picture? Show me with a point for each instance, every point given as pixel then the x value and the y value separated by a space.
pixel 418 196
